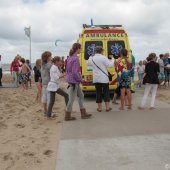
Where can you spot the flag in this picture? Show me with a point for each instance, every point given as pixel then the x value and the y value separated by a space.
pixel 27 31
pixel 91 22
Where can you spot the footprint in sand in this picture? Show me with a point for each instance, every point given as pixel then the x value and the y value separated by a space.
pixel 48 152
pixel 39 111
pixel 35 127
pixel 22 110
pixel 28 154
pixel 38 161
pixel 3 125
pixel 7 105
pixel 19 125
pixel 11 160
pixel 6 157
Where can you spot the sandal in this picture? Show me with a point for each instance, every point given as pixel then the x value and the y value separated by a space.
pixel 129 106
pixel 121 108
pixel 99 110
pixel 152 108
pixel 141 108
pixel 107 110
pixel 114 102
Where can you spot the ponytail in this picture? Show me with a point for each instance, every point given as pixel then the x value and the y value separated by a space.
pixel 75 47
pixel 71 52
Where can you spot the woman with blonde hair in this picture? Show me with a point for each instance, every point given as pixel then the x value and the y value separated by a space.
pixel 37 78
pixel 15 69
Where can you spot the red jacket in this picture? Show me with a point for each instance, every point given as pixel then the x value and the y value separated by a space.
pixel 15 66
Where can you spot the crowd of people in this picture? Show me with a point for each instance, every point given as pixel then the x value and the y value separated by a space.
pixel 164 74
pixel 48 71
pixel 21 71
pixel 154 73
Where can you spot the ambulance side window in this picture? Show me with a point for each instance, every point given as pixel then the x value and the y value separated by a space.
pixel 90 47
pixel 114 48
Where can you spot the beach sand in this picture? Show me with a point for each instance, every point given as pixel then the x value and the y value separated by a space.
pixel 164 95
pixel 28 140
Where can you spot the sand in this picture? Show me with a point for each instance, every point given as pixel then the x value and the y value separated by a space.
pixel 164 95
pixel 28 140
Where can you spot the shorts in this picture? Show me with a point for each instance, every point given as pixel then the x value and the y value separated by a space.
pixel 125 82
pixel 23 78
pixel 45 95
pixel 166 72
pixel 161 76
pixel 140 76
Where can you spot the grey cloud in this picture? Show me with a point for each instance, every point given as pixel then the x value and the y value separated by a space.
pixel 146 22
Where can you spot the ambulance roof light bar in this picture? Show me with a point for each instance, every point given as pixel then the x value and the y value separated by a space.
pixel 101 26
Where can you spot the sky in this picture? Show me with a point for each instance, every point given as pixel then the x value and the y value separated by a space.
pixel 146 22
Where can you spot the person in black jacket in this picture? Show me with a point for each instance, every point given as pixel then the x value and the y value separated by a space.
pixel 150 80
pixel 37 78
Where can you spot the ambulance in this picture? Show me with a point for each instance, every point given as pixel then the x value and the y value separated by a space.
pixel 112 38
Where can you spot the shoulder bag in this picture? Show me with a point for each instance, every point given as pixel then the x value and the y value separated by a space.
pixel 109 75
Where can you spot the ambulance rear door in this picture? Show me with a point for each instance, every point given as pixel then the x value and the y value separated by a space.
pixel 89 50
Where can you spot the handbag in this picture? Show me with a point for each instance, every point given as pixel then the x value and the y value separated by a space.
pixel 108 75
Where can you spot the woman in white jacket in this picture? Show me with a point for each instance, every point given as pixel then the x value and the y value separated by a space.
pixel 53 85
pixel 100 63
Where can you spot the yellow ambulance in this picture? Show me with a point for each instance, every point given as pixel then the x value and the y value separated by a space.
pixel 112 38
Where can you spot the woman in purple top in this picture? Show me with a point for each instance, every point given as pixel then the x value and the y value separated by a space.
pixel 74 79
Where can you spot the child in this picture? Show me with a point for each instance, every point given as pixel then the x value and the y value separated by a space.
pixel 24 75
pixel 29 65
pixel 37 78
pixel 45 76
pixel 140 71
pixel 53 85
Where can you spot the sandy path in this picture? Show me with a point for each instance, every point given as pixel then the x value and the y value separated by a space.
pixel 27 139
